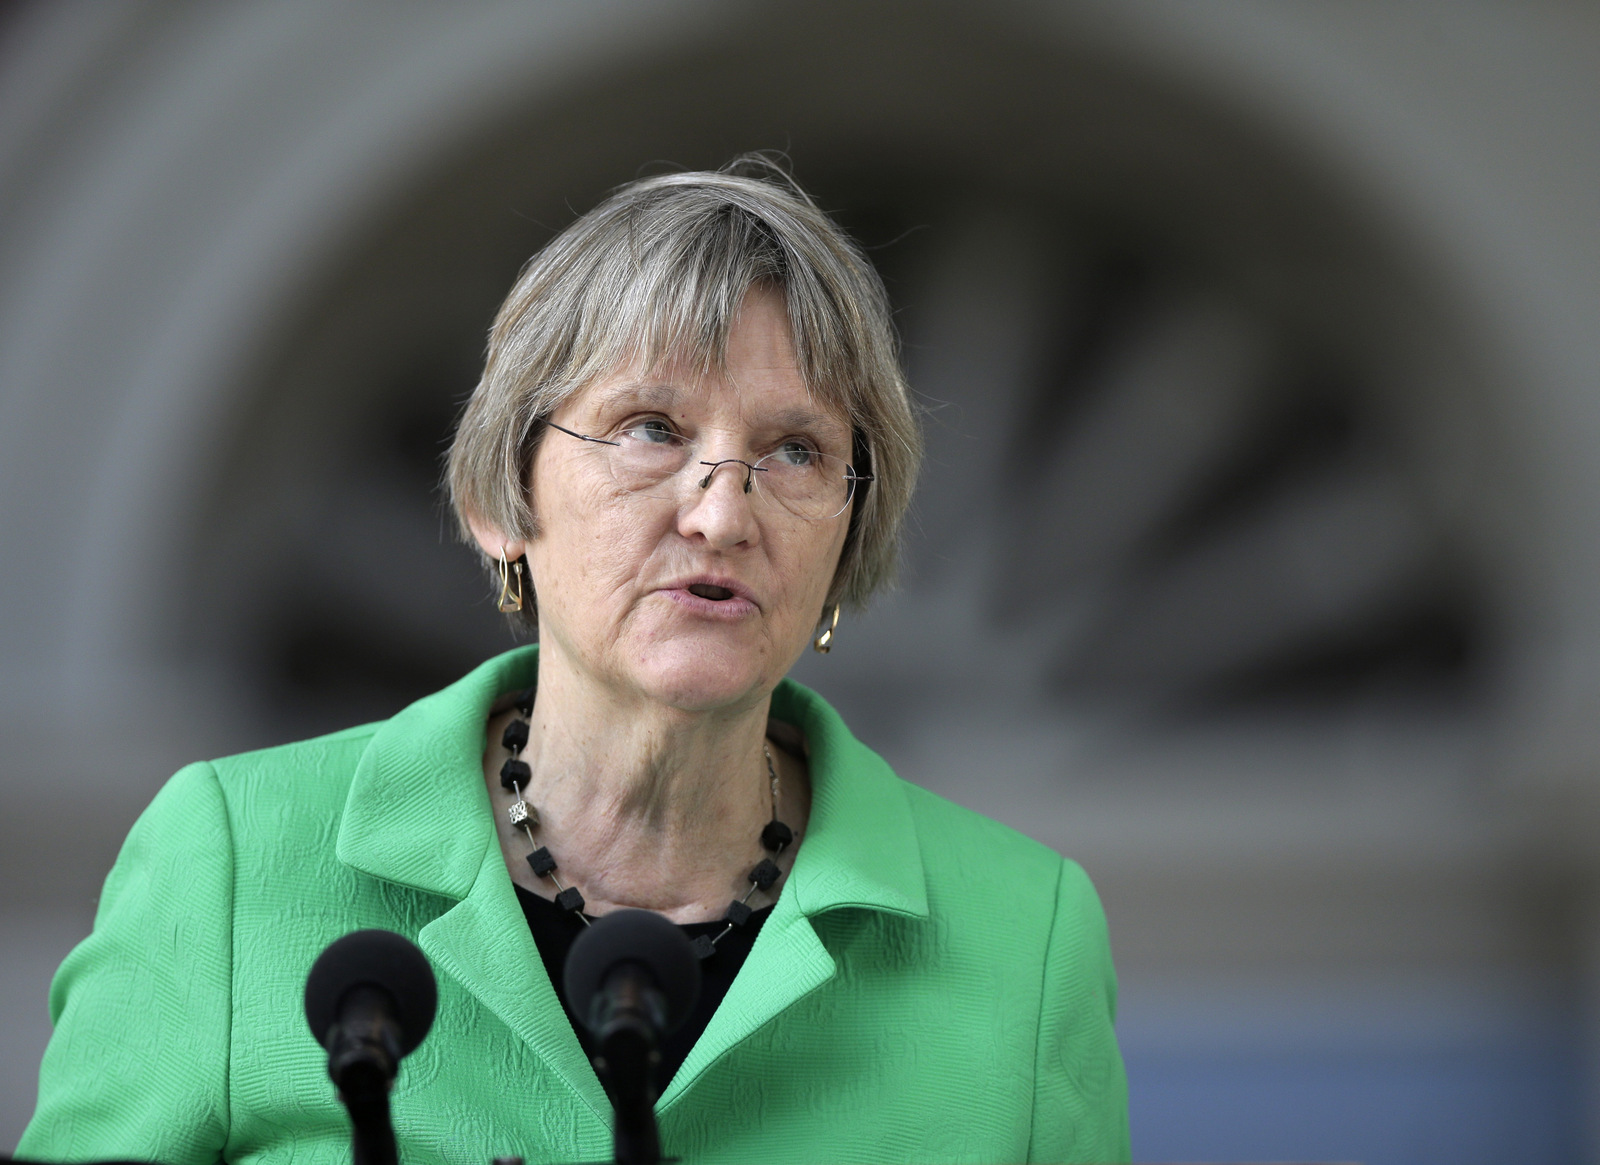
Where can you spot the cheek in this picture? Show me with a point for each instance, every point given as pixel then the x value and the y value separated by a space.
pixel 811 558
pixel 590 552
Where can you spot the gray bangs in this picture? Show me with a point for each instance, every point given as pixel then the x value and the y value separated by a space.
pixel 658 275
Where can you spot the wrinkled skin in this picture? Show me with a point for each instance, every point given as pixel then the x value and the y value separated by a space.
pixel 652 703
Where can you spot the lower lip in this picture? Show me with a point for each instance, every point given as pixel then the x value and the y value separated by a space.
pixel 727 610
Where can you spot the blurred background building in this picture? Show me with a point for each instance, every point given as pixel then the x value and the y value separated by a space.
pixel 1255 566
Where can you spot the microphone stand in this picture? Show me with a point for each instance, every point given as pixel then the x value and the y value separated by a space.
pixel 630 1013
pixel 363 1057
pixel 370 999
pixel 371 1132
pixel 631 978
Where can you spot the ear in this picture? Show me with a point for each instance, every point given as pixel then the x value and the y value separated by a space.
pixel 493 541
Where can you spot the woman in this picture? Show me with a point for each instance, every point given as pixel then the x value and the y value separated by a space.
pixel 691 443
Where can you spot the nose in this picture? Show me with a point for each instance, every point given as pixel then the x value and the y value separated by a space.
pixel 720 507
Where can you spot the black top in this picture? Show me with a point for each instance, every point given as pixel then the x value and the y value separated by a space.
pixel 555 929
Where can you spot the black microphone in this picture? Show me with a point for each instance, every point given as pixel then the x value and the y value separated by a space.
pixel 370 999
pixel 632 978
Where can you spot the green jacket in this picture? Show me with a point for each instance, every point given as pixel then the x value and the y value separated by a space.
pixel 931 986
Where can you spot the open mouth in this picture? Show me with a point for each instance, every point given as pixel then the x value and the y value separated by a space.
pixel 707 591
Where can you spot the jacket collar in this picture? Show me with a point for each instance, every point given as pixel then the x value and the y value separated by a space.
pixel 860 847
pixel 418 815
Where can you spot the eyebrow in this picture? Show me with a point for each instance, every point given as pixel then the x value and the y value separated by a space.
pixel 659 395
pixel 642 392
pixel 807 419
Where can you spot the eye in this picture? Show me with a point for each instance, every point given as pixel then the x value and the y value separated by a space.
pixel 651 431
pixel 795 453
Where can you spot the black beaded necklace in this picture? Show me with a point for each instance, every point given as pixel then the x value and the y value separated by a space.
pixel 514 776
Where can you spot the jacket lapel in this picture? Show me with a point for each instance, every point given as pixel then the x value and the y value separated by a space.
pixel 860 851
pixel 418 815
pixel 483 942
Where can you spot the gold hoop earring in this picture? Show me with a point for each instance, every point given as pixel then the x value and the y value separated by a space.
pixel 509 603
pixel 823 643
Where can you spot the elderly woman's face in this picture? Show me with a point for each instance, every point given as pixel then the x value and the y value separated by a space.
pixel 696 597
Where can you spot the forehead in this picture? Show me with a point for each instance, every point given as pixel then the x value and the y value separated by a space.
pixel 753 379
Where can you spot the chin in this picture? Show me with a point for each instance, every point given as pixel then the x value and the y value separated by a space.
pixel 695 675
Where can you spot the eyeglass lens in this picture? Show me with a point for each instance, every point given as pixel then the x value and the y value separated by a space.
pixel 806 483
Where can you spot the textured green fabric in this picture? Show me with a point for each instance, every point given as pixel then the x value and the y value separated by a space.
pixel 931 986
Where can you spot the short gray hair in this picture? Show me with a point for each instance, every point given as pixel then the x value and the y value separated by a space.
pixel 658 272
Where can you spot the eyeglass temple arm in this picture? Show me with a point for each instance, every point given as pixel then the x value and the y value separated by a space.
pixel 580 436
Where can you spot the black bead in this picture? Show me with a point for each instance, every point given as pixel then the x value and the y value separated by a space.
pixel 515 737
pixel 775 836
pixel 525 703
pixel 570 899
pixel 765 874
pixel 514 772
pixel 738 913
pixel 542 863
pixel 703 947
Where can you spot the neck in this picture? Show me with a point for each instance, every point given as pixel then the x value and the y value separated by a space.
pixel 645 805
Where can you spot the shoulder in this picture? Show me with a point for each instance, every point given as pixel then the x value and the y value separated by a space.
pixel 302 766
pixel 203 797
pixel 969 861
pixel 967 837
pixel 220 801
pixel 438 729
pixel 230 810
pixel 980 864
